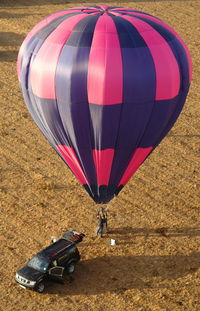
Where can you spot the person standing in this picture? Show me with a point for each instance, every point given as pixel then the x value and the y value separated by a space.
pixel 102 221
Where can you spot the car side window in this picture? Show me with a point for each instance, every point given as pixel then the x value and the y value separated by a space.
pixel 53 264
pixel 73 250
pixel 63 258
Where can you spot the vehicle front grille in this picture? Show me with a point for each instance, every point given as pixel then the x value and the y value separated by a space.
pixel 21 280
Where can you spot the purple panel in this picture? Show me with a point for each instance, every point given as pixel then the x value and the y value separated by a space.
pixel 30 51
pixel 49 113
pixel 105 122
pixel 35 111
pixel 76 121
pixel 34 44
pixel 102 194
pixel 180 101
pixel 71 74
pixel 161 114
pixel 30 103
pixel 133 122
pixel 79 76
pixel 71 93
pixel 82 33
pixel 139 76
pixel 139 88
pixel 46 30
pixel 177 49
pixel 64 72
pixel 164 114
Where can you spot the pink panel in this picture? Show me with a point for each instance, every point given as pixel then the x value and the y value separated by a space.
pixel 137 159
pixel 71 159
pixel 103 163
pixel 42 75
pixel 33 32
pixel 175 34
pixel 105 64
pixel 167 70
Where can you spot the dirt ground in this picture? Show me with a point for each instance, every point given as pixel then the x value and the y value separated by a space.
pixel 156 263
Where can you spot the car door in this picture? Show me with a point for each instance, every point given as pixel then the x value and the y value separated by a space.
pixel 56 273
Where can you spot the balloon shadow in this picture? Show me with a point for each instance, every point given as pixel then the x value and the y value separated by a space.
pixel 8 56
pixel 126 235
pixel 161 231
pixel 22 3
pixel 121 273
pixel 10 39
pixel 186 135
pixel 6 15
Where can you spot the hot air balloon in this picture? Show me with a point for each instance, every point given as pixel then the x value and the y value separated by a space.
pixel 104 85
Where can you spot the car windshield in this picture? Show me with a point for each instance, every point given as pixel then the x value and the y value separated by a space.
pixel 39 263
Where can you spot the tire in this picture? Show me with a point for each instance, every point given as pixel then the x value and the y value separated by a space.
pixel 71 268
pixel 40 287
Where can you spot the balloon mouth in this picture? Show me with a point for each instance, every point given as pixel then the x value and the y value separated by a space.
pixel 102 194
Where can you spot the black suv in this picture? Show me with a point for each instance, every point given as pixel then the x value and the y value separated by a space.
pixel 51 262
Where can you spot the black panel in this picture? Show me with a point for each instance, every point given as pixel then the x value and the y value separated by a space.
pixel 47 30
pixel 82 33
pixel 128 35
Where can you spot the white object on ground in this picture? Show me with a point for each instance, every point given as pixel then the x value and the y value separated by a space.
pixel 112 242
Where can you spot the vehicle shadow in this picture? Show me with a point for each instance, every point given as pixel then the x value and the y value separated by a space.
pixel 121 273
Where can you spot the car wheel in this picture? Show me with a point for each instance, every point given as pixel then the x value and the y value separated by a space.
pixel 40 287
pixel 71 268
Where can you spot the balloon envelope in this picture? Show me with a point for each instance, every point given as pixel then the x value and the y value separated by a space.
pixel 104 85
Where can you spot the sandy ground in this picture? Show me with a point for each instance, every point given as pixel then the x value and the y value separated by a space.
pixel 156 263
